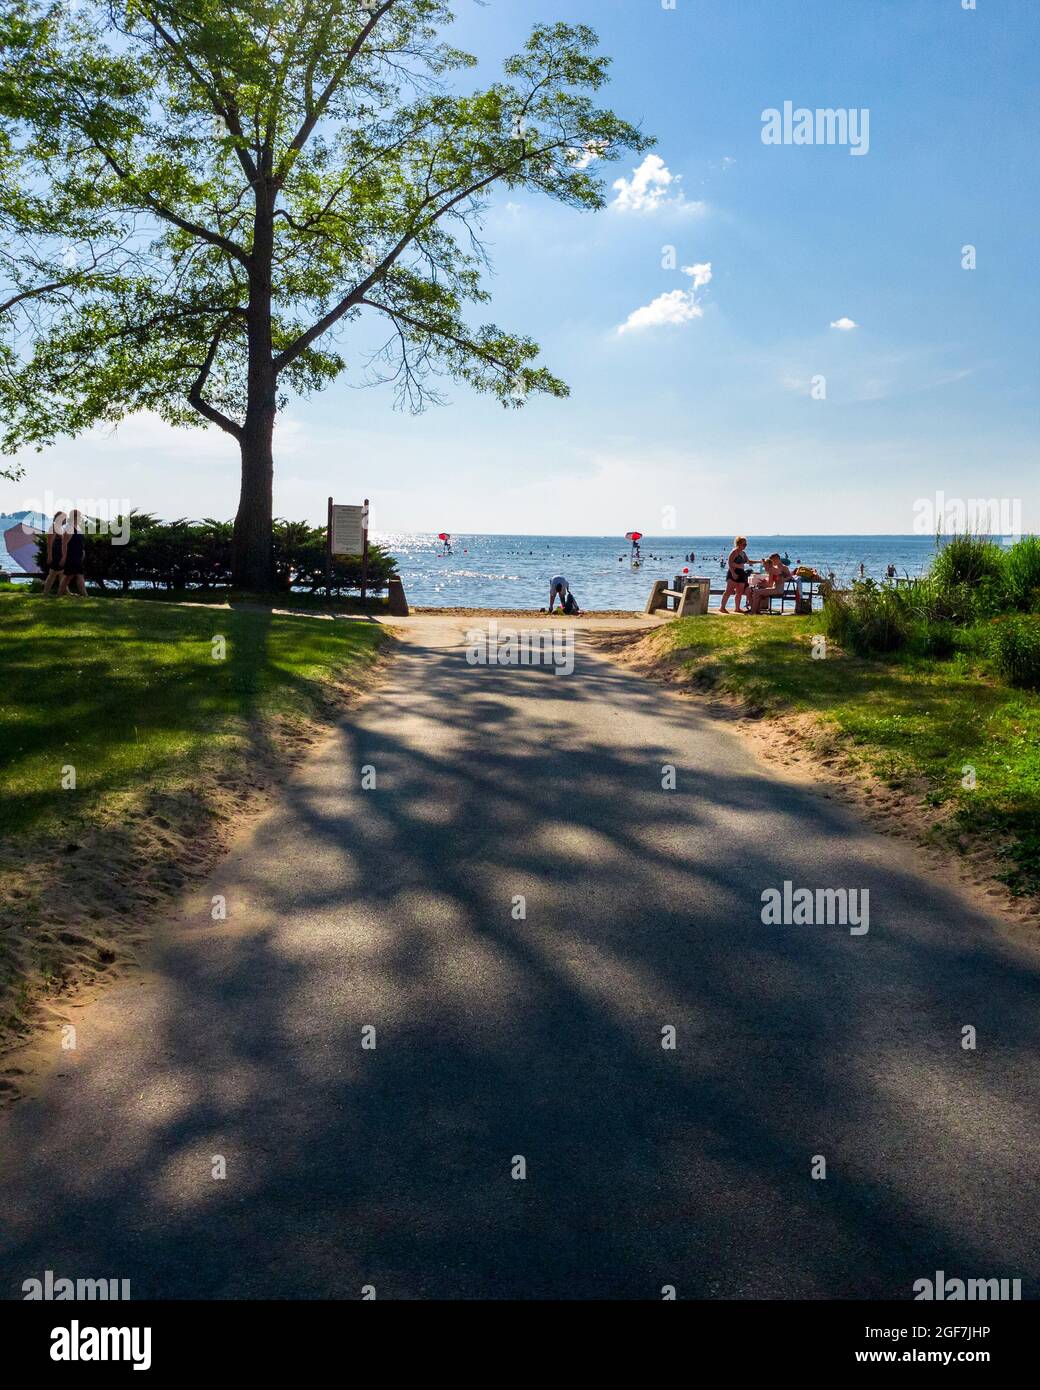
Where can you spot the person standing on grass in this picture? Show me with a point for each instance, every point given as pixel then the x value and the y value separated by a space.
pixel 74 558
pixel 55 552
pixel 736 573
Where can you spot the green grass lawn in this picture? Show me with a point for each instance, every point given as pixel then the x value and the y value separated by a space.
pixel 131 695
pixel 911 717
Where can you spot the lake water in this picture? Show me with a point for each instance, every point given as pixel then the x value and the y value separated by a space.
pixel 489 571
pixel 486 571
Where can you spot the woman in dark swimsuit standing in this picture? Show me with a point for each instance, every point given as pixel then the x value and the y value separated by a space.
pixel 736 573
pixel 75 558
pixel 55 546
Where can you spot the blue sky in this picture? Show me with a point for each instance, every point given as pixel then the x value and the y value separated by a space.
pixel 710 422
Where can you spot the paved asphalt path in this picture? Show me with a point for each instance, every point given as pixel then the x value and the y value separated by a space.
pixel 392 908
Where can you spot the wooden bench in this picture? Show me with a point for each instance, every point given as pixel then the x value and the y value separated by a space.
pixel 691 598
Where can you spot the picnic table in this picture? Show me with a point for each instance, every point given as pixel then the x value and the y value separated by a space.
pixel 800 593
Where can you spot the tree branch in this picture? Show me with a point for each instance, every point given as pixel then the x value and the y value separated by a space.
pixel 210 412
pixel 223 105
pixel 398 316
pixel 355 296
pixel 34 293
pixel 316 110
pixel 228 246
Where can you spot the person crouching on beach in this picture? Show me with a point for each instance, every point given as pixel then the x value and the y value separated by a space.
pixel 558 589
pixel 736 574
pixel 55 552
pixel 74 559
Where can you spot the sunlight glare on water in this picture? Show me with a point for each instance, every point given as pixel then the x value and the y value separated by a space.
pixel 489 571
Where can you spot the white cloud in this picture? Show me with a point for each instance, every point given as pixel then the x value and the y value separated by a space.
pixel 677 306
pixel 701 274
pixel 651 188
pixel 845 324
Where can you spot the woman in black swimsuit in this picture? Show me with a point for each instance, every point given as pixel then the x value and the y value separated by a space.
pixel 75 558
pixel 736 573
pixel 55 545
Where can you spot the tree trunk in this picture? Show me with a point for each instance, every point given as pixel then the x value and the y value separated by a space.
pixel 252 558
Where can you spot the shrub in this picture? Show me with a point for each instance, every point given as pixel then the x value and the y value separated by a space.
pixel 1022 573
pixel 961 603
pixel 935 637
pixel 970 560
pixel 1016 649
pixel 299 560
pixel 186 554
pixel 167 555
pixel 870 619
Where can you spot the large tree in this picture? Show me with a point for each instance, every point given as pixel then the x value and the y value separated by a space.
pixel 214 190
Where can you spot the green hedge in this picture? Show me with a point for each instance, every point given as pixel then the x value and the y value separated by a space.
pixel 197 555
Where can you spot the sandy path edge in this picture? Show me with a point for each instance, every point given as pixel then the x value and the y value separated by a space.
pixel 109 885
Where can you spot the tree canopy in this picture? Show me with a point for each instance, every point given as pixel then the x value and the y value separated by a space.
pixel 198 198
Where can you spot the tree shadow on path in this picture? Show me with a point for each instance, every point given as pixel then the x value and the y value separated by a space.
pixel 541 1038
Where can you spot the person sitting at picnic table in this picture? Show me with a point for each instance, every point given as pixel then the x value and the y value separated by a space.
pixel 776 576
pixel 758 581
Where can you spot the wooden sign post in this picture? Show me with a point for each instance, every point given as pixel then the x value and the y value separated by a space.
pixel 364 553
pixel 347 535
pixel 328 555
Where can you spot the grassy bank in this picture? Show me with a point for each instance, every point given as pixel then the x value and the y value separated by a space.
pixel 172 721
pixel 908 719
pixel 131 694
